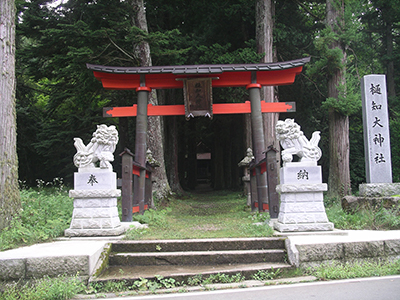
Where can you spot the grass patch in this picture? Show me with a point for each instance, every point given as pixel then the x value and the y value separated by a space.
pixel 60 288
pixel 142 284
pixel 331 271
pixel 160 282
pixel 46 212
pixel 381 219
pixel 267 274
pixel 212 215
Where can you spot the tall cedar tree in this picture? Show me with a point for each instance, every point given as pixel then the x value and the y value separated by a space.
pixel 155 128
pixel 339 150
pixel 9 193
pixel 264 39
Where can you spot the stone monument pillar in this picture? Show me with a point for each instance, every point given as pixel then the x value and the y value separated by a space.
pixel 378 163
pixel 95 187
pixel 301 188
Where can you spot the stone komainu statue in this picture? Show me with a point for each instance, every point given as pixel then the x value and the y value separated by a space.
pixel 100 149
pixel 294 142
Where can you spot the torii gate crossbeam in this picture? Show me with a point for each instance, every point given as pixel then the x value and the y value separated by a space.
pixel 218 109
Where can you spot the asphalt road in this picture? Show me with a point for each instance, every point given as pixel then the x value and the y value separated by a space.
pixel 376 288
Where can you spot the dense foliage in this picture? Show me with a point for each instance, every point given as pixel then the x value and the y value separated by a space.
pixel 58 98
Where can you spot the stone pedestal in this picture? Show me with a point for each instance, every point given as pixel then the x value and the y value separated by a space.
pixel 379 189
pixel 302 201
pixel 95 204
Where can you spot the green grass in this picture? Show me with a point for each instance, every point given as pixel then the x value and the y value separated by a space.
pixel 60 288
pixel 331 271
pixel 212 215
pixel 46 212
pixel 381 219
pixel 160 282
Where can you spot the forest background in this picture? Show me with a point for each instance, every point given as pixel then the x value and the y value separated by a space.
pixel 59 99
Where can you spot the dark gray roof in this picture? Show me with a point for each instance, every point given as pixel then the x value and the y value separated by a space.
pixel 201 69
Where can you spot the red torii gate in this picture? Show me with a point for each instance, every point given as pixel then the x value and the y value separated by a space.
pixel 144 79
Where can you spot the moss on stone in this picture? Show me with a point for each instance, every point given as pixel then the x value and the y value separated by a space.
pixel 103 259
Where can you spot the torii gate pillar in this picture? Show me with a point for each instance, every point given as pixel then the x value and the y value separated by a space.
pixel 141 146
pixel 257 130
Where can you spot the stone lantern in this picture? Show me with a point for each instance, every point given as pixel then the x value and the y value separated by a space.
pixel 245 163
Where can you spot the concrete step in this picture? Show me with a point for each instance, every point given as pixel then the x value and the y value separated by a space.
pixel 183 273
pixel 181 259
pixel 198 245
pixel 197 257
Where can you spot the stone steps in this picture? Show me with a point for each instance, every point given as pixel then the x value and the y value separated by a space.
pixel 196 257
pixel 198 245
pixel 182 273
pixel 181 259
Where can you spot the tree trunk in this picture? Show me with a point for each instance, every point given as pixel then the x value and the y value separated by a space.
pixel 339 167
pixel 264 37
pixel 155 132
pixel 218 160
pixel 123 125
pixel 339 150
pixel 191 167
pixel 171 144
pixel 174 163
pixel 236 138
pixel 227 156
pixel 9 194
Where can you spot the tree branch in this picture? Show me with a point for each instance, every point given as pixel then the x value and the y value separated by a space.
pixel 308 11
pixel 119 48
pixel 316 87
